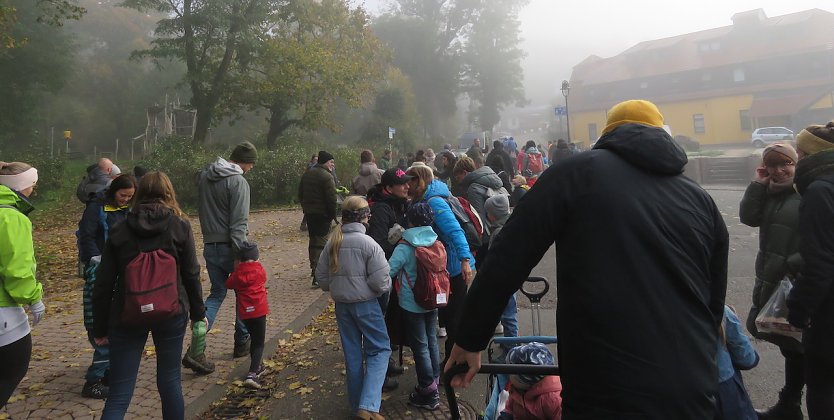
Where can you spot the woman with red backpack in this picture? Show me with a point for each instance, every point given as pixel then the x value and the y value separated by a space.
pixel 148 282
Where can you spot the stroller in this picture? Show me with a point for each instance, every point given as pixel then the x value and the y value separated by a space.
pixel 499 373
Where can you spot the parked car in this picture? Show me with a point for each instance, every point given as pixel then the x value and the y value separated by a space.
pixel 763 136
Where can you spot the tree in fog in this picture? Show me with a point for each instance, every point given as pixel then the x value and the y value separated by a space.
pixel 316 55
pixel 30 72
pixel 394 106
pixel 492 72
pixel 51 12
pixel 215 39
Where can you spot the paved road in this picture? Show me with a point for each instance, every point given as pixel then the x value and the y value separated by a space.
pixel 765 381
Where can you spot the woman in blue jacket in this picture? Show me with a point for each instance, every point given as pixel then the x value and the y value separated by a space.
pixel 460 262
pixel 102 213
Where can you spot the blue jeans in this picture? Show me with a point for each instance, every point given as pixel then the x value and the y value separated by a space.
pixel 422 338
pixel 509 318
pixel 126 347
pixel 101 361
pixel 364 338
pixel 220 263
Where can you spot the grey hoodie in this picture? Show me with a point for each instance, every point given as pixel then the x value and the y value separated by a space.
pixel 481 184
pixel 224 203
pixel 363 270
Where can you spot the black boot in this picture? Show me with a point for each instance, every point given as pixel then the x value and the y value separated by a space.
pixel 787 408
pixel 393 368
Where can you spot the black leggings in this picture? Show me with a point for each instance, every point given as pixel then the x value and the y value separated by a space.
pixel 450 315
pixel 15 357
pixel 257 333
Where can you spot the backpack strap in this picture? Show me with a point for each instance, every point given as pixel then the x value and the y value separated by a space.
pixel 103 221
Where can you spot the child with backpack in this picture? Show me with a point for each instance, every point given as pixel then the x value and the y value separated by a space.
pixel 352 267
pixel 735 353
pixel 422 283
pixel 248 281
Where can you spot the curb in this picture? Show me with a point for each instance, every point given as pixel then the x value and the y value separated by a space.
pixel 203 402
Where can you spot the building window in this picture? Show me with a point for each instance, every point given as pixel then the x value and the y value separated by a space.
pixel 738 75
pixel 744 118
pixel 698 123
pixel 592 132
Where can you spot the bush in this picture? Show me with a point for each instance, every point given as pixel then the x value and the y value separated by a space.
pixel 273 181
pixel 50 170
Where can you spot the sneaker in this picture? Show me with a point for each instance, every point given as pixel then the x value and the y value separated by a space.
pixel 252 381
pixel 95 390
pixel 390 385
pixel 441 332
pixel 425 401
pixel 314 284
pixel 198 364
pixel 499 330
pixel 242 348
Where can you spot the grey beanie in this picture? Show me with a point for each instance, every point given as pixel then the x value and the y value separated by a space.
pixel 244 152
pixel 498 206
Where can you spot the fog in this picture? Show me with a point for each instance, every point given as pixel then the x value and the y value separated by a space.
pixel 558 35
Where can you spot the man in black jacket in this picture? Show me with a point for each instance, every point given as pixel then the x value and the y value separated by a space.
pixel 811 302
pixel 501 164
pixel 642 276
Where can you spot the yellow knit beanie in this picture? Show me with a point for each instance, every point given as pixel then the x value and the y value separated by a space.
pixel 816 138
pixel 635 111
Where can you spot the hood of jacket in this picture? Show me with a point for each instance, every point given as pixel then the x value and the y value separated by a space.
pixel 149 219
pixel 484 176
pixel 648 148
pixel 221 169
pixel 533 151
pixel 812 167
pixel 368 168
pixel 9 197
pixel 437 189
pixel 420 236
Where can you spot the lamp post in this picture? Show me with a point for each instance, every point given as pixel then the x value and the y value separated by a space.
pixel 565 93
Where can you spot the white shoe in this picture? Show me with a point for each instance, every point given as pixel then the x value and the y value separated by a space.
pixel 441 332
pixel 499 330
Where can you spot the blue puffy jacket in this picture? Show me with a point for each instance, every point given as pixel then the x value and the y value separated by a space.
pixel 448 229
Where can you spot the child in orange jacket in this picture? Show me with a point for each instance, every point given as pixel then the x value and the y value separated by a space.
pixel 533 397
pixel 248 281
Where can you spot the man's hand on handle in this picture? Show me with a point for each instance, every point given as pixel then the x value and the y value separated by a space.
pixel 460 356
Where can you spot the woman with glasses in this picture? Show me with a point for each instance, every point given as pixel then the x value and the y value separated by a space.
pixel 772 204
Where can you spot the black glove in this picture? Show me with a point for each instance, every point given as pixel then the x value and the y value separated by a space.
pixel 797 316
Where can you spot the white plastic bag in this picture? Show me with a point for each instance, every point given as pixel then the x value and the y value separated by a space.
pixel 773 317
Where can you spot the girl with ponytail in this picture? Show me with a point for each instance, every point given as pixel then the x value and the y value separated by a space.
pixel 352 267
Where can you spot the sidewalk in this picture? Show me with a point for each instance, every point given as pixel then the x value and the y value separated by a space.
pixel 61 353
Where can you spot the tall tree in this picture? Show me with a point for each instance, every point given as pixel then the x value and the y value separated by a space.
pixel 215 39
pixel 493 76
pixel 318 54
pixel 52 12
pixel 30 72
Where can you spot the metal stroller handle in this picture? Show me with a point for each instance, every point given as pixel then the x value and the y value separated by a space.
pixel 533 296
pixel 454 410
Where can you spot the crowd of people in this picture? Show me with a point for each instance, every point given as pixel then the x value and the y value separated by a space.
pixel 436 245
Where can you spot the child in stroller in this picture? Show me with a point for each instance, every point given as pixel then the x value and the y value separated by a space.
pixel 532 397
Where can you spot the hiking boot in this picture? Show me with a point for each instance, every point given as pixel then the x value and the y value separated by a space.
pixel 368 415
pixel 242 348
pixel 426 401
pixel 252 381
pixel 393 368
pixel 198 364
pixel 95 390
pixel 390 384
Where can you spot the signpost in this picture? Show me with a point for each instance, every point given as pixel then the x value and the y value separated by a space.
pixel 67 137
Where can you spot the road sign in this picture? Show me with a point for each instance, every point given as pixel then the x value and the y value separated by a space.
pixel 560 110
pixel 391 132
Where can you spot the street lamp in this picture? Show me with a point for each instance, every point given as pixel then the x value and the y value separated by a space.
pixel 565 93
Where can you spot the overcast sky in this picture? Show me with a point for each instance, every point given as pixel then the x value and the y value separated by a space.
pixel 559 34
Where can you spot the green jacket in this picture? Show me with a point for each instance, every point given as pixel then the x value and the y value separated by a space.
pixel 777 217
pixel 18 286
pixel 317 192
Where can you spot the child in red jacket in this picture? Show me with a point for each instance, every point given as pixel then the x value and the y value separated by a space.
pixel 533 397
pixel 248 281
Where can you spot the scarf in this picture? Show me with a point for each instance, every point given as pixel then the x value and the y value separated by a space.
pixel 813 167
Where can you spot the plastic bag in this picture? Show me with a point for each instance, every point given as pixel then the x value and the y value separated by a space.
pixel 773 317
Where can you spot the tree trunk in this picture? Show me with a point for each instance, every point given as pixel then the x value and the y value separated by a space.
pixel 278 123
pixel 202 124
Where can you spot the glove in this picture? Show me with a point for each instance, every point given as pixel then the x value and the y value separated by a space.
pixel 395 234
pixel 95 260
pixel 38 310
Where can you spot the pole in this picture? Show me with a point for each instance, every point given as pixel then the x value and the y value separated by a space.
pixel 116 155
pixel 95 153
pixel 67 146
pixel 52 143
pixel 567 114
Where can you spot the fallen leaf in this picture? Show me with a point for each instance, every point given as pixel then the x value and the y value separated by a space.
pixel 295 385
pixel 248 402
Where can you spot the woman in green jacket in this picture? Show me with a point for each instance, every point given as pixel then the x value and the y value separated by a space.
pixel 771 204
pixel 18 287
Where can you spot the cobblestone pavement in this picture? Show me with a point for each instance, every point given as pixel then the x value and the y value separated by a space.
pixel 61 353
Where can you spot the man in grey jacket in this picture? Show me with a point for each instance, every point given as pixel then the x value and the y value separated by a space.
pixel 224 214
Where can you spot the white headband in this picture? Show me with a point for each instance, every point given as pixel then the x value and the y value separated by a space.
pixel 21 181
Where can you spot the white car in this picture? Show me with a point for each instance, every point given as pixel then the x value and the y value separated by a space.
pixel 766 135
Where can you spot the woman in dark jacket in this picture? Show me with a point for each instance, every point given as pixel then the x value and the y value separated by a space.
pixel 105 211
pixel 155 223
pixel 771 204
